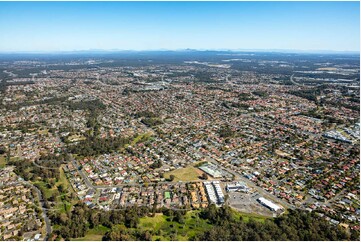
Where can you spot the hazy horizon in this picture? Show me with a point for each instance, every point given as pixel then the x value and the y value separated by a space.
pixel 290 51
pixel 152 26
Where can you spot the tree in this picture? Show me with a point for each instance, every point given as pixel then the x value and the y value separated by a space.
pixel 65 232
pixel 132 220
pixel 94 219
pixel 204 176
pixel 156 164
pixel 118 232
pixel 226 132
pixel 61 188
pixel 145 236
pixel 2 150
pixel 179 217
pixel 63 218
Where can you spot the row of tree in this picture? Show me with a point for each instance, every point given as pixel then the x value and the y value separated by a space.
pixel 297 225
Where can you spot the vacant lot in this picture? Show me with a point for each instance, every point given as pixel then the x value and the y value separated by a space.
pixel 189 173
pixel 141 138
pixel 2 161
pixel 248 204
pixel 75 138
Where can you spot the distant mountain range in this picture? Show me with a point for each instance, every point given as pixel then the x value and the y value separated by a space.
pixel 104 51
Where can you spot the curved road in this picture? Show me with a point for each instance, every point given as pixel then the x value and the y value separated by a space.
pixel 44 167
pixel 43 209
pixel 295 83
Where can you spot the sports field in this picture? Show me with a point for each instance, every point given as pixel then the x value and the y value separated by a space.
pixel 188 173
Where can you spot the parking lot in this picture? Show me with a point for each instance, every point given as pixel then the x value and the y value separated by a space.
pixel 247 203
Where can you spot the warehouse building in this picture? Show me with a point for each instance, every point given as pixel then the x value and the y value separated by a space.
pixel 214 192
pixel 269 204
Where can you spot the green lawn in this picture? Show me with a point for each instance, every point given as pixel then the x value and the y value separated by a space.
pixel 47 192
pixel 75 137
pixel 44 131
pixel 247 216
pixel 189 173
pixel 152 222
pixel 63 205
pixel 2 161
pixel 140 137
pixel 95 234
pixel 164 229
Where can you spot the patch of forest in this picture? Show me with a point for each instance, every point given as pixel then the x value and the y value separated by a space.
pixel 226 224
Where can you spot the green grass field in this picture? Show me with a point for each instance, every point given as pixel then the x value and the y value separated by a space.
pixel 140 138
pixel 165 229
pixel 2 161
pixel 189 173
pixel 95 234
pixel 247 216
pixel 43 131
pixel 75 137
pixel 47 192
pixel 62 204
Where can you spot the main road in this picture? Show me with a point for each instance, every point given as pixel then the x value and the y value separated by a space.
pixel 85 178
pixel 295 83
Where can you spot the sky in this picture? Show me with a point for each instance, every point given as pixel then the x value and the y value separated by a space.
pixel 68 26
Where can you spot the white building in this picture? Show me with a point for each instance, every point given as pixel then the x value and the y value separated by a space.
pixel 238 186
pixel 211 193
pixel 269 204
pixel 219 192
pixel 214 192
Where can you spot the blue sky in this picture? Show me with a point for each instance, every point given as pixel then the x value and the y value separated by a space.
pixel 65 26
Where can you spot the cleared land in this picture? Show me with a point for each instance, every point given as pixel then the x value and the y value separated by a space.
pixel 141 138
pixel 75 138
pixel 247 205
pixel 189 173
pixel 44 131
pixel 2 161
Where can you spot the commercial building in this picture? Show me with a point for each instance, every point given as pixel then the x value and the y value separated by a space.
pixel 237 187
pixel 211 170
pixel 214 192
pixel 269 204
